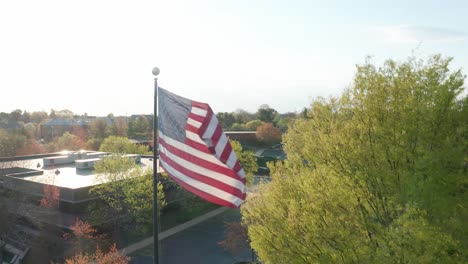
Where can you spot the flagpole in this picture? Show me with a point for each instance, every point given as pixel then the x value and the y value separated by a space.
pixel 155 170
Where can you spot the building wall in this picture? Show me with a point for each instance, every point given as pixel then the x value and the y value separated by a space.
pixel 244 137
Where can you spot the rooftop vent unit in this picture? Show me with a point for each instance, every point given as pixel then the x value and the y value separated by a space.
pixel 85 163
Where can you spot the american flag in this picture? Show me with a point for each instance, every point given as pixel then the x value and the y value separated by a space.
pixel 196 153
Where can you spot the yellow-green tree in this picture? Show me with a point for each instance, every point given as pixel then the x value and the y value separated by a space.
pixel 246 159
pixel 127 191
pixel 374 176
pixel 122 145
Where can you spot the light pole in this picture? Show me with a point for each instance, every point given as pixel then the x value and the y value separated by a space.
pixel 155 169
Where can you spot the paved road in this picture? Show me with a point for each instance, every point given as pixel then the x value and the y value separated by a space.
pixel 198 244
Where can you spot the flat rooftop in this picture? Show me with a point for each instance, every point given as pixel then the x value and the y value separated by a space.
pixel 69 176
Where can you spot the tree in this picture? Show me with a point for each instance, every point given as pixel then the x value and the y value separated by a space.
pixel 15 116
pixel 113 256
pixel 52 114
pixel 128 191
pixel 374 176
pixel 31 147
pixel 80 132
pixel 51 197
pixel 84 236
pixel 246 159
pixel 253 124
pixel 38 117
pixel 64 113
pixel 30 130
pixel 242 116
pixel 122 145
pixel 268 134
pixel 238 127
pixel 26 117
pixel 266 114
pixel 119 127
pixel 304 113
pixel 98 130
pixel 139 128
pixel 10 142
pixel 226 120
pixel 69 142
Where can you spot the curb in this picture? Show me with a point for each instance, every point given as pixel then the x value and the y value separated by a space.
pixel 171 231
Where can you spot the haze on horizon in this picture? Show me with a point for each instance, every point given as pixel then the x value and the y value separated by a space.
pixel 96 57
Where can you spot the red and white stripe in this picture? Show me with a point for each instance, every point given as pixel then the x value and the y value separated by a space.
pixel 206 164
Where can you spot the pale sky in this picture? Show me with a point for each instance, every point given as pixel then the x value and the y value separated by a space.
pixel 97 56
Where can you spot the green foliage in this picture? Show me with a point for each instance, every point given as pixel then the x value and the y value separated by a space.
pixel 226 120
pixel 239 127
pixel 68 142
pixel 115 144
pixel 253 124
pixel 242 116
pixel 10 142
pixel 98 130
pixel 119 127
pixel 30 130
pixel 284 122
pixel 94 143
pixel 139 128
pixel 128 191
pixel 139 198
pixel 38 117
pixel 266 114
pixel 375 176
pixel 247 160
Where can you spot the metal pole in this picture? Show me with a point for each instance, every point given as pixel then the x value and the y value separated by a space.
pixel 155 170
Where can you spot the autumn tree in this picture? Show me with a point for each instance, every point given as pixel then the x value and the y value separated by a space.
pixel 83 235
pixel 374 176
pixel 268 134
pixel 51 196
pixel 69 142
pixel 119 127
pixel 113 256
pixel 10 142
pixel 31 147
pixel 81 132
